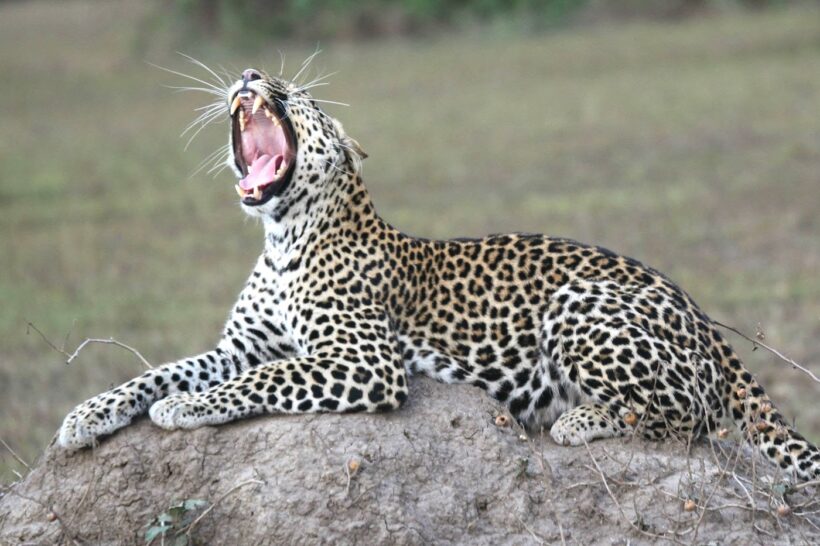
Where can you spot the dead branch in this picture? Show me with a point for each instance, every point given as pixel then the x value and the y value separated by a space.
pixel 778 354
pixel 71 356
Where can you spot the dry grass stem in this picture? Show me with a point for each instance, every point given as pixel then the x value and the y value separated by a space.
pixel 190 528
pixel 15 455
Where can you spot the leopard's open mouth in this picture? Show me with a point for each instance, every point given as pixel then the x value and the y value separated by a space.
pixel 264 147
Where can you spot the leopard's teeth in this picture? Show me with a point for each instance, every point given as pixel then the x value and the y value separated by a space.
pixel 242 121
pixel 240 191
pixel 271 116
pixel 235 104
pixel 257 193
pixel 257 103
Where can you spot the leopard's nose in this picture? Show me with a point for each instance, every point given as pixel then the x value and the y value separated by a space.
pixel 249 74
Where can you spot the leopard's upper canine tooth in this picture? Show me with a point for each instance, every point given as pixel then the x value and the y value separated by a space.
pixel 259 101
pixel 235 104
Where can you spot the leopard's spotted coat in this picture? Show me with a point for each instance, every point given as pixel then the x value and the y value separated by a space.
pixel 341 308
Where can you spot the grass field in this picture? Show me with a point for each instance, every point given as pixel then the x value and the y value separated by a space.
pixel 694 147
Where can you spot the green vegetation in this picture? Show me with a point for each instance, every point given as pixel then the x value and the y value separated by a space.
pixel 694 147
pixel 173 526
pixel 236 20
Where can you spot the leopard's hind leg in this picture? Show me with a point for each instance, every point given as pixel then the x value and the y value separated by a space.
pixel 632 356
pixel 585 423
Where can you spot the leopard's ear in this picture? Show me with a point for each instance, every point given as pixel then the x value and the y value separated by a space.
pixel 355 146
pixel 349 142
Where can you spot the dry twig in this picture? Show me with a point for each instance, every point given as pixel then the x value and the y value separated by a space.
pixel 615 499
pixel 772 350
pixel 532 533
pixel 15 455
pixel 190 528
pixel 71 356
pixel 803 485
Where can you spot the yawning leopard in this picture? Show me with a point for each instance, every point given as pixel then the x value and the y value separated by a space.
pixel 341 308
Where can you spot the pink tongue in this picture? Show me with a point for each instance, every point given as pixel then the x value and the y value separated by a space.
pixel 261 171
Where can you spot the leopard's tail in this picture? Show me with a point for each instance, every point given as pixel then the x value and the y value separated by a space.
pixel 763 425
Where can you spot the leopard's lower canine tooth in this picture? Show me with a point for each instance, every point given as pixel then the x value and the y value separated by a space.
pixel 257 193
pixel 235 104
pixel 239 190
pixel 257 103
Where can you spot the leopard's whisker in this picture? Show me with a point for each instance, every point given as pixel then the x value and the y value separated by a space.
pixel 324 101
pixel 181 88
pixel 202 125
pixel 208 84
pixel 203 65
pixel 223 150
pixel 219 165
pixel 305 64
pixel 212 113
pixel 207 110
pixel 316 82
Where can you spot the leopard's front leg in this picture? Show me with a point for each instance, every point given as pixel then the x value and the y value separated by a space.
pixel 111 410
pixel 357 370
pixel 249 338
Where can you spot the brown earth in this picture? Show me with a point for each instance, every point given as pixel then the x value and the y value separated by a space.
pixel 440 470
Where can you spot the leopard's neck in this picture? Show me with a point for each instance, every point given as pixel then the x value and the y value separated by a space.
pixel 304 218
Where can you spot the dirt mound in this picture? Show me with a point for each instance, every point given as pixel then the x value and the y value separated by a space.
pixel 440 470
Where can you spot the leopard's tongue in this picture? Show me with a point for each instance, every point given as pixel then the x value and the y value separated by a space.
pixel 261 171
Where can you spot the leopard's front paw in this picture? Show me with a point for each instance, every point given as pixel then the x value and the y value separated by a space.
pixel 99 416
pixel 76 431
pixel 179 410
pixel 87 422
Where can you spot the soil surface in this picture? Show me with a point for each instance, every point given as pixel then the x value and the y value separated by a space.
pixel 440 470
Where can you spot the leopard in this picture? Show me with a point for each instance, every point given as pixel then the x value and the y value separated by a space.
pixel 342 309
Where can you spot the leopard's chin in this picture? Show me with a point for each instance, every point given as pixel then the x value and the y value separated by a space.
pixel 263 146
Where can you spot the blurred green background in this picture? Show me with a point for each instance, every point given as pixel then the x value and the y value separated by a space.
pixel 683 133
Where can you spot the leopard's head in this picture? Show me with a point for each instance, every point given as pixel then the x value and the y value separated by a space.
pixel 283 146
